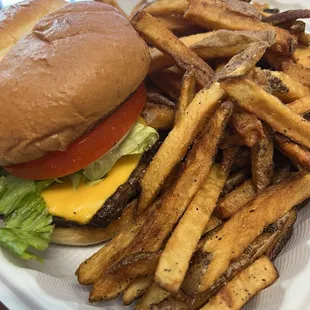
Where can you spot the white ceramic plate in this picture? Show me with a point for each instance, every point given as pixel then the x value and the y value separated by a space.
pixel 52 285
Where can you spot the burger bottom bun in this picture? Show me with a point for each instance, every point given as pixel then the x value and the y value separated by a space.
pixel 82 236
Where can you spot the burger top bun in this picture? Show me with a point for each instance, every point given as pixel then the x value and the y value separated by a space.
pixel 18 20
pixel 78 64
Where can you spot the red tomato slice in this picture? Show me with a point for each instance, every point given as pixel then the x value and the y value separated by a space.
pixel 87 148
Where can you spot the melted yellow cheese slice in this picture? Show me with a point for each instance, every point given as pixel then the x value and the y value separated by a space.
pixel 81 205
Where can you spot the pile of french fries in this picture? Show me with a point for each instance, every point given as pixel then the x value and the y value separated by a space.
pixel 229 86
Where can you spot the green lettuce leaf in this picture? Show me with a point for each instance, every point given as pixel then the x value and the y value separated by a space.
pixel 28 225
pixel 138 141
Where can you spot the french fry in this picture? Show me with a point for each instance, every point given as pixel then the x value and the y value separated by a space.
pixel 287 16
pixel 158 35
pixel 236 199
pixel 289 67
pixel 302 56
pixel 279 84
pixel 268 108
pixel 167 7
pixel 244 61
pixel 240 196
pixel 153 295
pixel 158 116
pixel 211 45
pixel 169 82
pixel 81 235
pixel 115 280
pixel 90 270
pixel 231 140
pixel 295 28
pixel 157 98
pixel 296 90
pixel 237 233
pixel 248 127
pixel 213 222
pixel 300 106
pixel 298 155
pixel 235 15
pixel 304 39
pixel 229 156
pixel 176 256
pixel 236 180
pixel 178 25
pixel 281 240
pixel 186 95
pixel 171 151
pixel 137 289
pixel 262 161
pixel 244 286
pixel 264 243
pixel 242 161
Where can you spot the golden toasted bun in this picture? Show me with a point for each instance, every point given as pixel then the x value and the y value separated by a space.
pixel 78 64
pixel 81 236
pixel 18 20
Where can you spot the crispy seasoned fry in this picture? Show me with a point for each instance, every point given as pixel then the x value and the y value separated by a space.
pixel 210 45
pixel 304 39
pixel 300 106
pixel 240 196
pixel 231 140
pixel 158 116
pixel 244 286
pixel 262 161
pixel 280 241
pixel 235 15
pixel 117 279
pixel 236 234
pixel 298 155
pixel 288 66
pixel 279 84
pixel 248 127
pixel 236 180
pixel 137 289
pixel 90 270
pixel 162 38
pixel 268 108
pixel 296 90
pixel 171 151
pixel 213 222
pixel 186 95
pixel 257 248
pixel 242 161
pixel 178 25
pixel 157 98
pixel 229 156
pixel 153 295
pixel 302 56
pixel 81 235
pixel 167 7
pixel 176 256
pixel 169 82
pixel 296 28
pixel 235 200
pixel 243 62
pixel 287 16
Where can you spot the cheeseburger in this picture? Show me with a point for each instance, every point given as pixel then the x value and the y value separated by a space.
pixel 73 146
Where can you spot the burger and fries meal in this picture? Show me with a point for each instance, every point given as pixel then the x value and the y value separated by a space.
pixel 179 134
